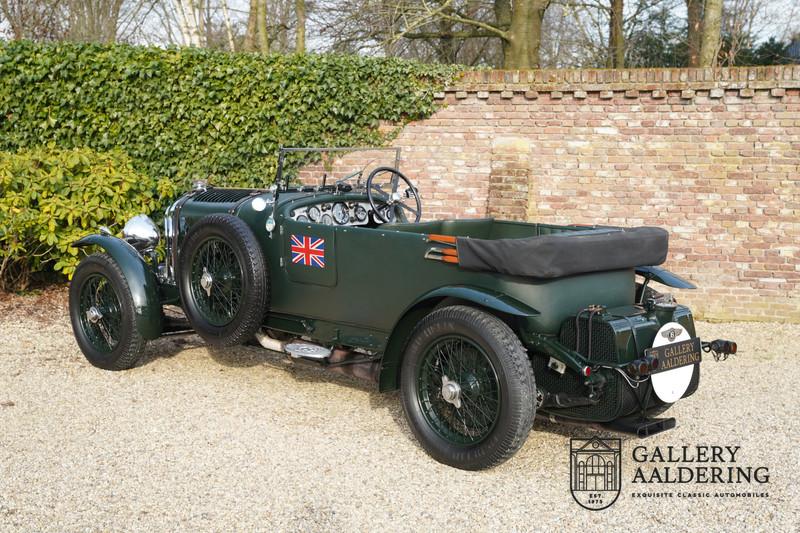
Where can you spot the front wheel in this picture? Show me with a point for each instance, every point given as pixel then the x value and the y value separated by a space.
pixel 467 388
pixel 103 314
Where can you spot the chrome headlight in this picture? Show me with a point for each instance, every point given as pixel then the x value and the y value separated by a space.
pixel 141 233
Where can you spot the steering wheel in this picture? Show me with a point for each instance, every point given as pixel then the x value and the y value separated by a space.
pixel 386 202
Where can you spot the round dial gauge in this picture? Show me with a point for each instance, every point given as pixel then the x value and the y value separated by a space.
pixel 361 213
pixel 302 218
pixel 313 214
pixel 327 219
pixel 340 214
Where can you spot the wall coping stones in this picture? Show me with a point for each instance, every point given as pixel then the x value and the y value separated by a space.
pixel 633 83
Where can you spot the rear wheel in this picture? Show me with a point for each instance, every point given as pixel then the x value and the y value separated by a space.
pixel 223 280
pixel 103 314
pixel 467 388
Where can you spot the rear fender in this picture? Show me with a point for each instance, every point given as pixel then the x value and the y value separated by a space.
pixel 395 347
pixel 665 277
pixel 141 281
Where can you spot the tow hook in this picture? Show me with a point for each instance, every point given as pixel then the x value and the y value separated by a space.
pixel 720 349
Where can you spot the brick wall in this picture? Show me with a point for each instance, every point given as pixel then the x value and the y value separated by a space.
pixel 711 155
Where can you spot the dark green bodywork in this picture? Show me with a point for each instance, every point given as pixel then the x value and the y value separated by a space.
pixel 377 285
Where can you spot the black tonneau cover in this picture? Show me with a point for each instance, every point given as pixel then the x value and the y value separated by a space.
pixel 567 253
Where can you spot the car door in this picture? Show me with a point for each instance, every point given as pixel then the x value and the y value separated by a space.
pixel 309 252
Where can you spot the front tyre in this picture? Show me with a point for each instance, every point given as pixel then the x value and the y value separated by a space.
pixel 103 314
pixel 467 388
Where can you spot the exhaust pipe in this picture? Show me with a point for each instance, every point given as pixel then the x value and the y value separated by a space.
pixel 269 343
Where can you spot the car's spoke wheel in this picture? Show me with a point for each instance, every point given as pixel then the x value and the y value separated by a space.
pixel 217 281
pixel 459 392
pixel 223 280
pixel 103 314
pixel 100 313
pixel 467 388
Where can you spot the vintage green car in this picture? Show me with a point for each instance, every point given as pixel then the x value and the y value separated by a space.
pixel 482 324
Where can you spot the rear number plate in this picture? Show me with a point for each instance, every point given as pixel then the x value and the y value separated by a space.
pixel 676 355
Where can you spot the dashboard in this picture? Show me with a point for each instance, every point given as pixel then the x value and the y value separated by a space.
pixel 343 213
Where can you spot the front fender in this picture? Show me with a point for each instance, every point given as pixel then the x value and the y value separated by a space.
pixel 393 355
pixel 141 281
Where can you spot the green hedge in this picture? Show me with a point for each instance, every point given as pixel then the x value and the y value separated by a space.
pixel 168 117
pixel 49 198
pixel 189 113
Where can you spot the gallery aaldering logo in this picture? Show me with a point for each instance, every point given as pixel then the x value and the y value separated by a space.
pixel 595 471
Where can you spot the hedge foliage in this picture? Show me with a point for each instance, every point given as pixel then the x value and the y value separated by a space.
pixel 49 198
pixel 194 113
pixel 93 134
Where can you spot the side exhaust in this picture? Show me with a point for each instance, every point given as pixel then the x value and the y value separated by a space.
pixel 339 360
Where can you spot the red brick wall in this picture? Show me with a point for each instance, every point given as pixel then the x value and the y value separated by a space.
pixel 711 155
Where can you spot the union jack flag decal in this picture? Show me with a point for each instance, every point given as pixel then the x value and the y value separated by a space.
pixel 308 251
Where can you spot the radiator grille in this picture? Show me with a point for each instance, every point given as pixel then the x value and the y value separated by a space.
pixel 222 196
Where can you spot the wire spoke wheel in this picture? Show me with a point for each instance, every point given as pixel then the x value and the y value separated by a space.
pixel 100 313
pixel 458 390
pixel 216 281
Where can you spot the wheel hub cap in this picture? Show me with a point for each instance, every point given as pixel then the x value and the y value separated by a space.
pixel 451 392
pixel 206 281
pixel 93 315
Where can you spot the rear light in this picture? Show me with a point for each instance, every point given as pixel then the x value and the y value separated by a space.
pixel 587 371
pixel 642 367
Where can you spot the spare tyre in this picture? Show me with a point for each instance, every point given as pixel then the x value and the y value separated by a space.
pixel 223 280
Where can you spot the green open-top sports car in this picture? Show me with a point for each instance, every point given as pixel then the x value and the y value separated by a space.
pixel 481 324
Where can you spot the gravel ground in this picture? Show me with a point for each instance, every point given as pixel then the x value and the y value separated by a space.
pixel 246 440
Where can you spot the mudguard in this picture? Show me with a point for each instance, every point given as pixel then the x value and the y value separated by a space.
pixel 665 277
pixel 393 355
pixel 141 280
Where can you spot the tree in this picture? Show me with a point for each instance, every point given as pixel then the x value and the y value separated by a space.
pixel 250 34
pixel 34 19
pixel 300 31
pixel 190 17
pixel 93 20
pixel 517 24
pixel 261 26
pixel 710 38
pixel 616 37
pixel 694 31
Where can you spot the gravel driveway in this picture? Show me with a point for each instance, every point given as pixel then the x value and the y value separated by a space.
pixel 195 440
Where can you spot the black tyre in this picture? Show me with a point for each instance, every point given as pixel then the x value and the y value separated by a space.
pixel 467 388
pixel 223 280
pixel 103 314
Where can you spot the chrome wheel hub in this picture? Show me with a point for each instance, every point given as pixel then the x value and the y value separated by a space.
pixel 93 315
pixel 451 392
pixel 206 281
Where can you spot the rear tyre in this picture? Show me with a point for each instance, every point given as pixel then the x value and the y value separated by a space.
pixel 103 314
pixel 223 280
pixel 467 388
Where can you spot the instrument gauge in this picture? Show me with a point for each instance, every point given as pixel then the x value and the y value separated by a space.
pixel 314 214
pixel 327 219
pixel 361 213
pixel 341 214
pixel 302 218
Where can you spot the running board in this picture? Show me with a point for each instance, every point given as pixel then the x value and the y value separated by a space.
pixel 641 427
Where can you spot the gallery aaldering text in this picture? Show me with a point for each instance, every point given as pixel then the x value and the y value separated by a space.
pixel 659 465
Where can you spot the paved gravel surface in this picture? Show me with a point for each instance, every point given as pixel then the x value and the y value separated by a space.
pixel 196 440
